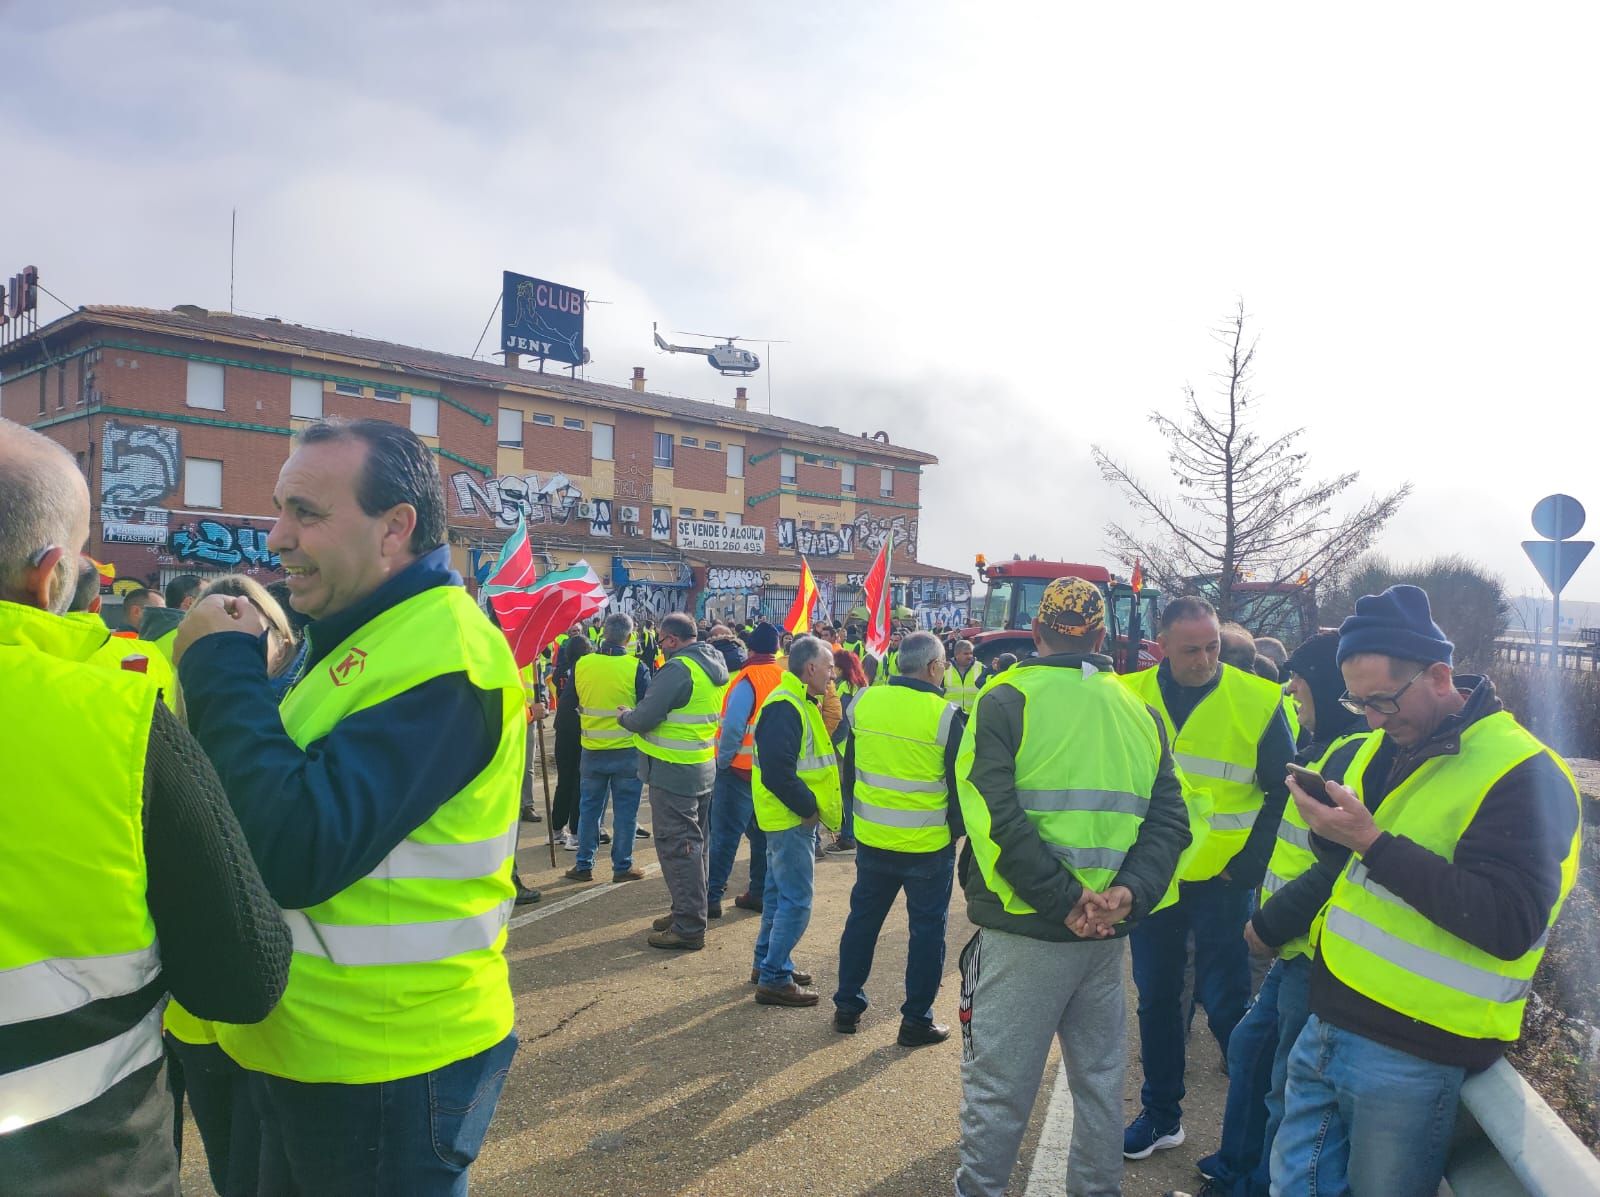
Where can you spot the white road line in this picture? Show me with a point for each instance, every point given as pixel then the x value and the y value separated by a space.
pixel 533 916
pixel 1048 1175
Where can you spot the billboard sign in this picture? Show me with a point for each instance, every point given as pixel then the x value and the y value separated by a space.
pixel 541 318
pixel 722 538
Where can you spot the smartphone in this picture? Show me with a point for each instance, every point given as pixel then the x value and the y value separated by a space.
pixel 1312 783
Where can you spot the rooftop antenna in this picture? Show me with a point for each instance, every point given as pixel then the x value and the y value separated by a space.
pixel 233 242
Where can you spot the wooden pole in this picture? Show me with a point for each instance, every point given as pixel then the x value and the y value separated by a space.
pixel 544 776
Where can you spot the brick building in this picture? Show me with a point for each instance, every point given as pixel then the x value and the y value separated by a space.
pixel 181 419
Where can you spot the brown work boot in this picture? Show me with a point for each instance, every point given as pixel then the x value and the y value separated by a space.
pixel 683 943
pixel 633 874
pixel 577 874
pixel 664 923
pixel 790 995
pixel 748 901
pixel 800 978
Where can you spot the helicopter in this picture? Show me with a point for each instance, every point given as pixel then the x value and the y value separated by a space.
pixel 726 358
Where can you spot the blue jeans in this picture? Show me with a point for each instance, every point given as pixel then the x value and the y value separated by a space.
pixel 1251 1049
pixel 416 1135
pixel 786 903
pixel 927 878
pixel 1362 1118
pixel 1294 1008
pixel 219 1099
pixel 733 817
pixel 1215 911
pixel 615 770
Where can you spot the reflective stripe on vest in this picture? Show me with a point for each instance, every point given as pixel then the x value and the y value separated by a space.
pixel 816 768
pixel 1291 852
pixel 396 943
pixel 963 691
pixel 605 682
pixel 31 1095
pixel 1215 751
pixel 75 924
pixel 688 734
pixel 403 971
pixel 901 802
pixel 1383 948
pixel 1085 769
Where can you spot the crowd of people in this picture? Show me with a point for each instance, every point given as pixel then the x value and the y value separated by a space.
pixel 261 853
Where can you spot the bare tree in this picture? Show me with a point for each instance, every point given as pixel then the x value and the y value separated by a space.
pixel 1245 510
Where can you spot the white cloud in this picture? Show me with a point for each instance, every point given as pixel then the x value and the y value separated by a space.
pixel 998 232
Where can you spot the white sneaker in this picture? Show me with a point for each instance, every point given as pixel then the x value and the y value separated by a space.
pixel 569 842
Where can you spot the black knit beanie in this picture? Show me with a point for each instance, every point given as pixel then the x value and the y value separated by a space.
pixel 1397 623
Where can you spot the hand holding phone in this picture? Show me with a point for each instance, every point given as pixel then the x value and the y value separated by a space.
pixel 1312 783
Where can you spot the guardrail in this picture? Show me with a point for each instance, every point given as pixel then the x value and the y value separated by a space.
pixel 1509 1143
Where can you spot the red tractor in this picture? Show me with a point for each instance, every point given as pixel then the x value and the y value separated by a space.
pixel 1006 616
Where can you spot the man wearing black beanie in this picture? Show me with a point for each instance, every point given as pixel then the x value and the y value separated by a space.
pixel 1463 849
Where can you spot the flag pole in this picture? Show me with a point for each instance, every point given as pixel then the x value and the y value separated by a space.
pixel 544 776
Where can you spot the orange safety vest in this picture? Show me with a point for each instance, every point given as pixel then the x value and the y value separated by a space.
pixel 763 678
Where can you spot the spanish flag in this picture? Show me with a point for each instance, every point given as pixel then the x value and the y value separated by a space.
pixel 108 572
pixel 798 621
pixel 1136 583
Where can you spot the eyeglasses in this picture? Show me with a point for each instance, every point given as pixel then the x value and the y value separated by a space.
pixel 1383 704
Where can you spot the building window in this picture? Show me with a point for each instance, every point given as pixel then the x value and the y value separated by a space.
pixel 812 524
pixel 43 375
pixel 886 483
pixel 386 394
pixel 710 515
pixel 348 388
pixel 663 452
pixel 600 442
pixel 569 422
pixel 544 420
pixel 305 398
pixel 424 415
pixel 692 441
pixel 202 482
pixel 205 386
pixel 510 428
pixel 827 525
pixel 829 464
pixel 686 513
pixel 786 467
pixel 713 444
pixel 736 461
pixel 733 519
pixel 847 478
pixel 61 388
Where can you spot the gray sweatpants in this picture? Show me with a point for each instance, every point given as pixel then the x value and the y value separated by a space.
pixel 680 824
pixel 1016 993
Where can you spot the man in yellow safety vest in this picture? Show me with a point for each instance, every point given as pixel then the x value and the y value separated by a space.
pixel 901 752
pixel 1462 852
pixel 606 680
pixel 965 677
pixel 126 876
pixel 1230 740
pixel 675 729
pixel 381 804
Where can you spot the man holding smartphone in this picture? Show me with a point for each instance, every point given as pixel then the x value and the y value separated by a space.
pixel 1463 851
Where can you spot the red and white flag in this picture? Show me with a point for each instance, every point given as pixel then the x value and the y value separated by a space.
pixel 532 619
pixel 880 601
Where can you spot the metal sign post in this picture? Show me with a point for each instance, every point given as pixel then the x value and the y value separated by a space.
pixel 1557 518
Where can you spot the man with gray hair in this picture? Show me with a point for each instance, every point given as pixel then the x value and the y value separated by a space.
pixel 126 873
pixel 965 677
pixel 902 752
pixel 675 728
pixel 795 785
pixel 608 681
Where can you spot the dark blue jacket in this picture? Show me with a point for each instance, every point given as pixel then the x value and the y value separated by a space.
pixel 321 818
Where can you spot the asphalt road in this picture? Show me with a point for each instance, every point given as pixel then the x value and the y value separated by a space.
pixel 643 1072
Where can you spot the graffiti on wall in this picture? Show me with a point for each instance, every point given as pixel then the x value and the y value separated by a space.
pixel 872 530
pixel 939 602
pixel 632 488
pixel 600 521
pixel 212 542
pixel 503 499
pixel 661 523
pixel 719 577
pixel 648 600
pixel 139 463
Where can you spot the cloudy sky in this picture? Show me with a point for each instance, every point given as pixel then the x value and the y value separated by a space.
pixel 1000 232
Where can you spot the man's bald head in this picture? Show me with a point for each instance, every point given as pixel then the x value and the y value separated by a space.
pixel 46 524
